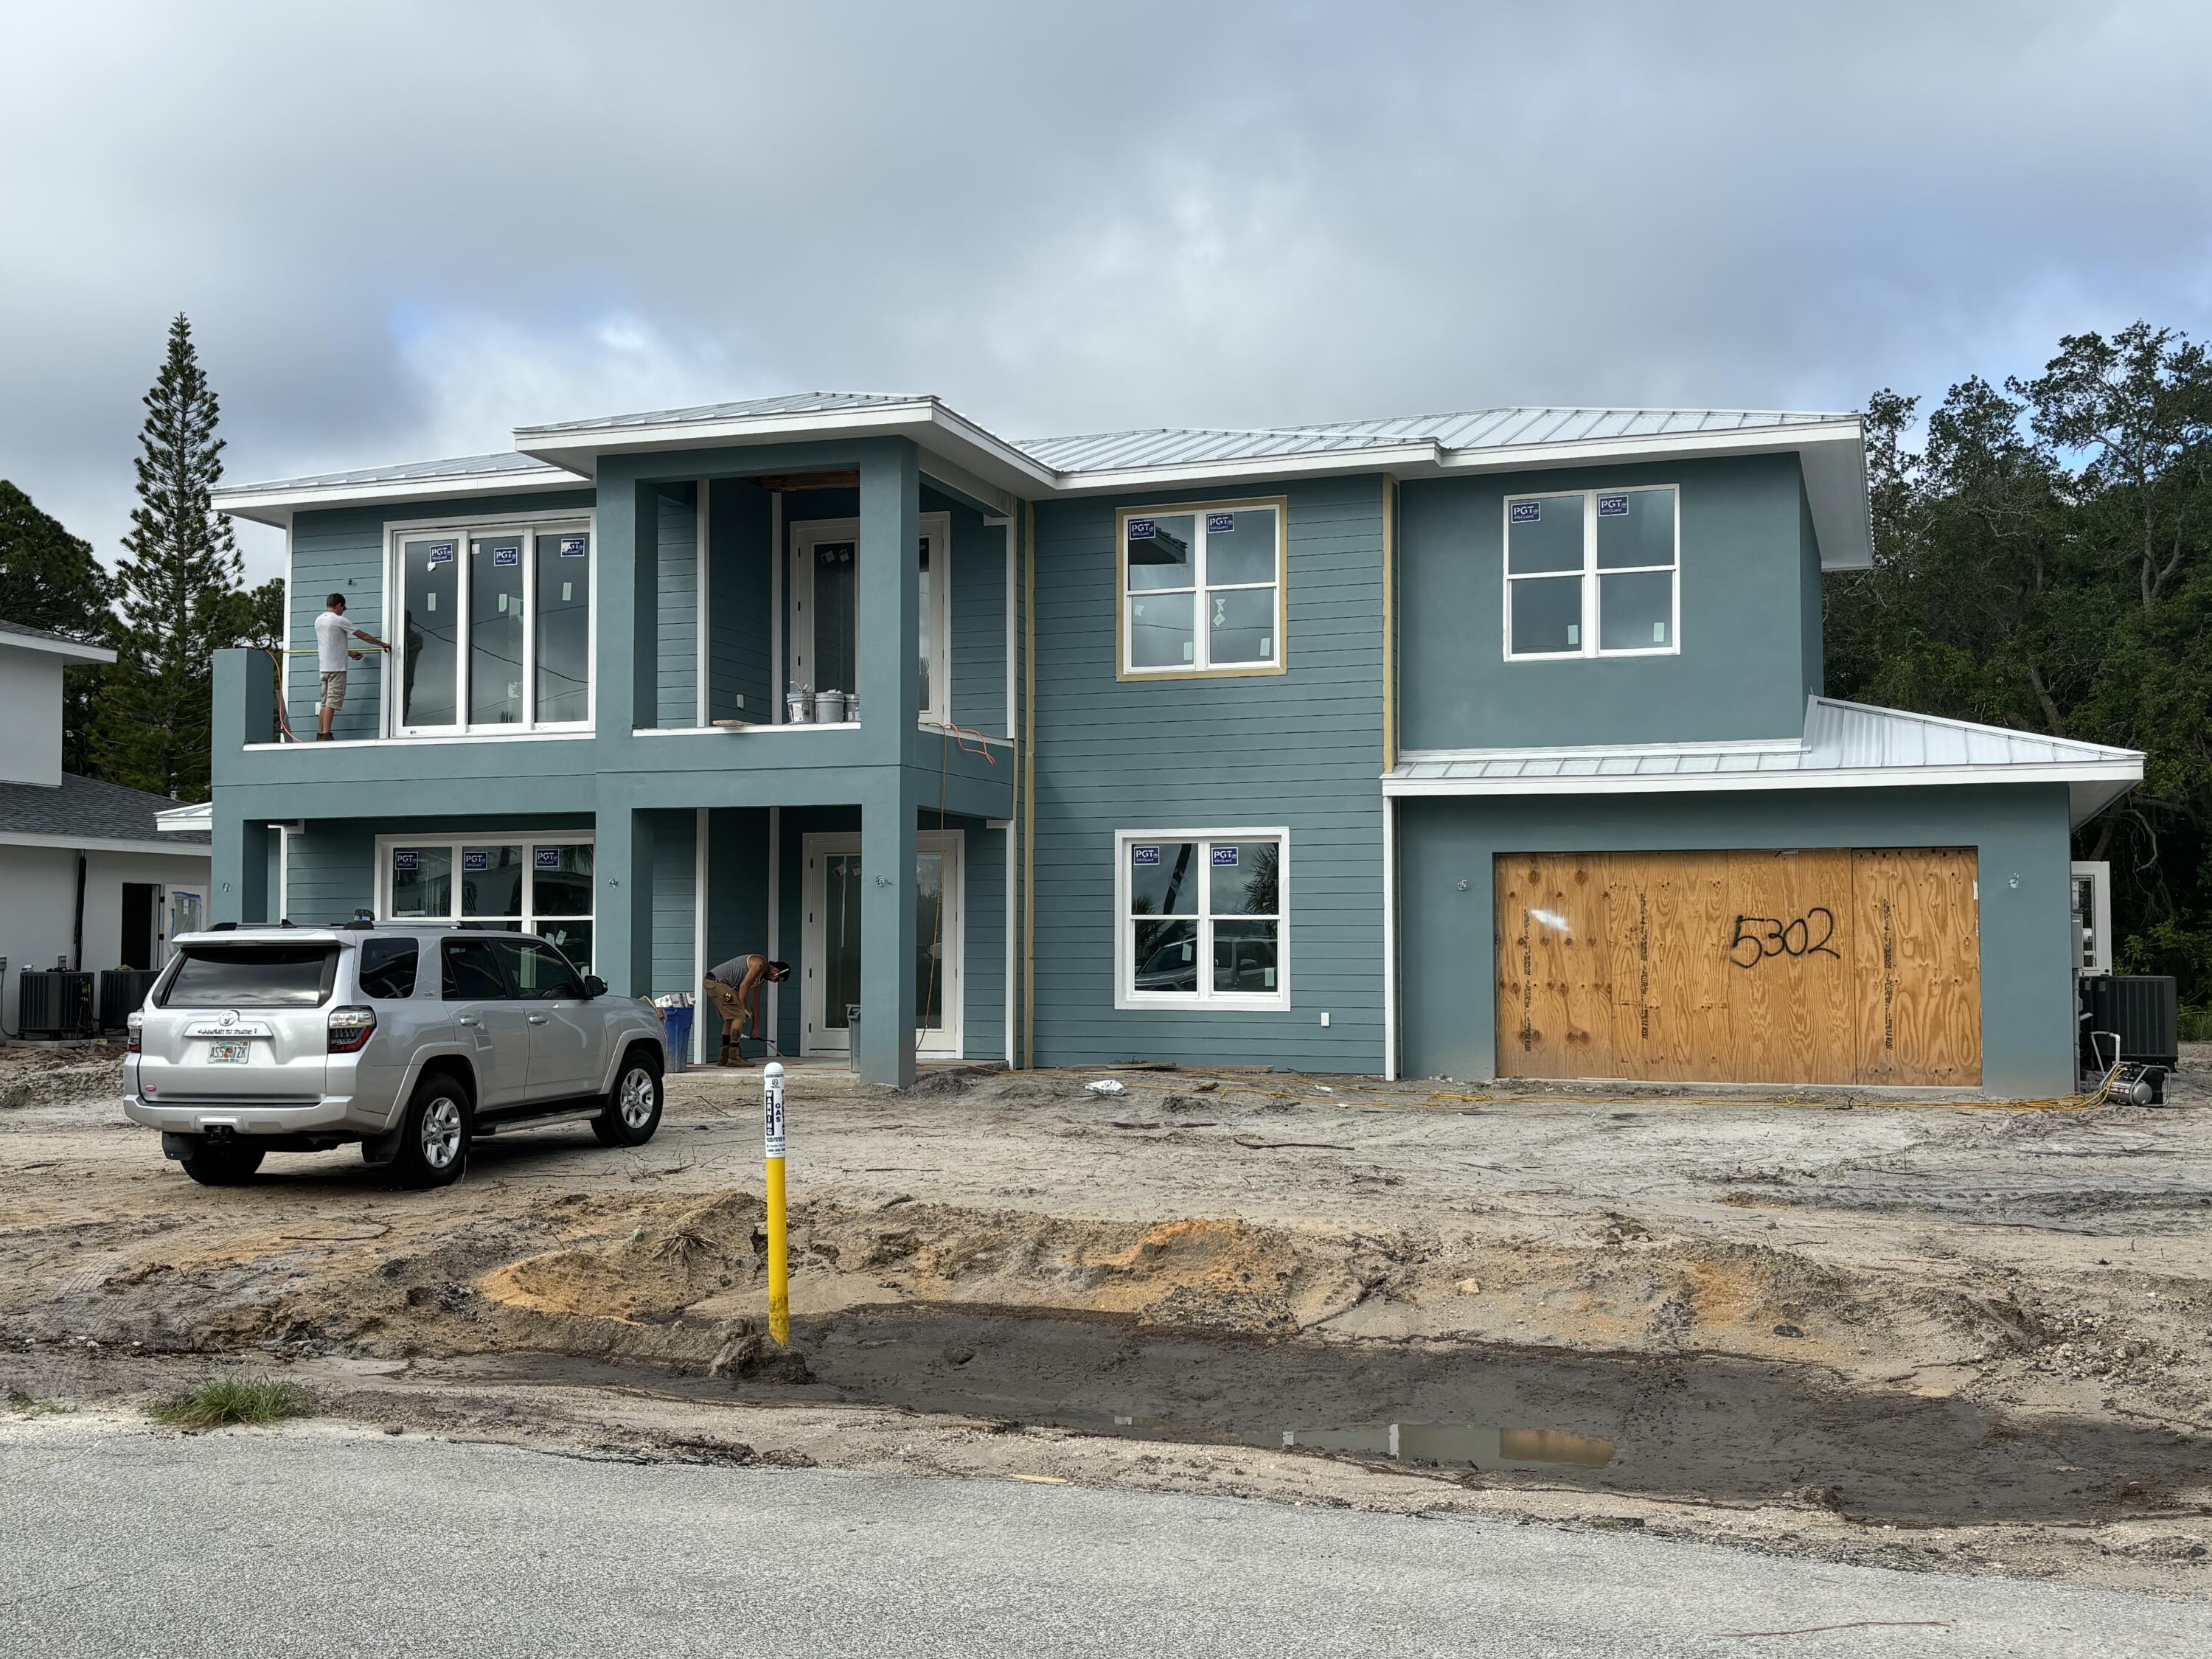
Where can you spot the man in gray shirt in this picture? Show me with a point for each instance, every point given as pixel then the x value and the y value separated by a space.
pixel 733 989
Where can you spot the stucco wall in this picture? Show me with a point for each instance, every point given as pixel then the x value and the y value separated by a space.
pixel 38 906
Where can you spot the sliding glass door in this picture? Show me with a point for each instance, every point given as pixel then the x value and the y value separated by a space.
pixel 494 630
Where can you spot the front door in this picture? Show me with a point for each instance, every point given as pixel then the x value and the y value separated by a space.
pixel 832 943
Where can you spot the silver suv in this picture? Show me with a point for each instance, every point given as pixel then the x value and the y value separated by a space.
pixel 409 1039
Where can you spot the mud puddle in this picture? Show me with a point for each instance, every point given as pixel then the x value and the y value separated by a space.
pixel 1716 1430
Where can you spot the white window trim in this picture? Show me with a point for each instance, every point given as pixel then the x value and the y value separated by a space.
pixel 949 1040
pixel 1205 998
pixel 1200 663
pixel 454 840
pixel 531 529
pixel 935 527
pixel 2098 875
pixel 1590 575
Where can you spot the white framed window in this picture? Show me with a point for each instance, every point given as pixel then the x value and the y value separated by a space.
pixel 493 626
pixel 825 610
pixel 516 883
pixel 1594 573
pixel 1202 918
pixel 1201 588
pixel 2093 916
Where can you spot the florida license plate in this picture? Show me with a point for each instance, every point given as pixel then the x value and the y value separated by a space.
pixel 227 1054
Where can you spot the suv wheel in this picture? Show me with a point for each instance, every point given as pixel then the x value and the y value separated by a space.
pixel 633 1107
pixel 222 1166
pixel 434 1137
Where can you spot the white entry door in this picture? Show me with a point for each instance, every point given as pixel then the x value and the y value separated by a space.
pixel 831 967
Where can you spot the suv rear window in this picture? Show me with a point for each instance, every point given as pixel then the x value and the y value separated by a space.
pixel 387 967
pixel 253 977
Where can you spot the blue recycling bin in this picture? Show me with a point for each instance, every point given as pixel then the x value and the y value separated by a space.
pixel 677 1033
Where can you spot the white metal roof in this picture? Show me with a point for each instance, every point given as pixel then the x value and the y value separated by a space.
pixel 1845 745
pixel 998 471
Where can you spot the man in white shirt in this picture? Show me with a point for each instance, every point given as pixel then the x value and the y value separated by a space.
pixel 334 636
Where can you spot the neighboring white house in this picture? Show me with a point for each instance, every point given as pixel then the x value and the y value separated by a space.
pixel 87 873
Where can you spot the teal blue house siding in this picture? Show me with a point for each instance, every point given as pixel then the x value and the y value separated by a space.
pixel 1302 750
pixel 1446 849
pixel 342 551
pixel 331 872
pixel 740 603
pixel 675 925
pixel 978 644
pixel 677 585
pixel 1743 670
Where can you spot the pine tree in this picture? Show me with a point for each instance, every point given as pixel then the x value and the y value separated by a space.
pixel 179 581
pixel 49 578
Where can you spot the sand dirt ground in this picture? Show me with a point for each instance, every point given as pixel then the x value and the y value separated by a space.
pixel 1938 1335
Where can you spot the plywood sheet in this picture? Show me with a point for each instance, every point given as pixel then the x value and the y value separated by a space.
pixel 1797 966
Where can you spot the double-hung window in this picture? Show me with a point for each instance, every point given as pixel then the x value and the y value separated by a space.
pixel 1592 573
pixel 1202 589
pixel 537 884
pixel 1202 919
pixel 494 629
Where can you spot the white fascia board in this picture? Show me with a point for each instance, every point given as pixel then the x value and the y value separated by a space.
pixel 1603 751
pixel 69 650
pixel 2125 774
pixel 276 506
pixel 79 844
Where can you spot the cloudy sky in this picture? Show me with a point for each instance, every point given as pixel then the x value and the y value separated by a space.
pixel 401 230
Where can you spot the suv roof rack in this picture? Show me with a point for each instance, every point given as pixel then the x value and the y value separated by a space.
pixel 223 927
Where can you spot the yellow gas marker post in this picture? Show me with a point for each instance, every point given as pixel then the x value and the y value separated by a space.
pixel 778 1256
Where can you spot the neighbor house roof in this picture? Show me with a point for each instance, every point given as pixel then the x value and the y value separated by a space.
pixel 85 812
pixel 60 644
pixel 1845 745
pixel 997 472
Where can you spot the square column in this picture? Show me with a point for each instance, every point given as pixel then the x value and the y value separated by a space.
pixel 890 601
pixel 887 927
pixel 239 871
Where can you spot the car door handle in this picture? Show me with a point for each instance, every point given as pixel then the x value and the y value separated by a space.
pixel 536 1020
pixel 468 1020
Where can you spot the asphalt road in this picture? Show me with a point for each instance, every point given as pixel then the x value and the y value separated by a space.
pixel 123 1542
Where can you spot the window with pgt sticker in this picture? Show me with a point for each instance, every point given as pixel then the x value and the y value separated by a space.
pixel 1592 574
pixel 1204 922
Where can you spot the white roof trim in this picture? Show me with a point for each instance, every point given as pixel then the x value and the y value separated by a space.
pixel 2096 775
pixel 199 816
pixel 79 844
pixel 275 504
pixel 73 650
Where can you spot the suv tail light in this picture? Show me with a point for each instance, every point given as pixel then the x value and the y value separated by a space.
pixel 134 1031
pixel 351 1027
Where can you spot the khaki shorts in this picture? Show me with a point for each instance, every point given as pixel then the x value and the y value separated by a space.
pixel 333 690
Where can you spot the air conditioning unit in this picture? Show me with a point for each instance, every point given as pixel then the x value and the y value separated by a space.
pixel 55 1004
pixel 122 994
pixel 2141 1011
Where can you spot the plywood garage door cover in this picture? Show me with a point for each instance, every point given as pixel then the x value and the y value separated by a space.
pixel 1807 966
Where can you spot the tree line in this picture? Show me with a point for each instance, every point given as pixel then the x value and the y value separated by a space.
pixel 2040 563
pixel 176 597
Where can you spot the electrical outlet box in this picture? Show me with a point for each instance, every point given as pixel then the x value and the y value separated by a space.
pixel 1324 1016
pixel 741 700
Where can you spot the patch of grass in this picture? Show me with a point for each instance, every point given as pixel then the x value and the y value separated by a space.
pixel 2196 1024
pixel 229 1399
pixel 31 1405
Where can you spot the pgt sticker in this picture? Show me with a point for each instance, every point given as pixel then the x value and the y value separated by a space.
pixel 1144 856
pixel 1220 524
pixel 1612 507
pixel 1143 530
pixel 473 861
pixel 406 861
pixel 442 552
pixel 574 547
pixel 503 558
pixel 1527 513
pixel 1224 857
pixel 549 858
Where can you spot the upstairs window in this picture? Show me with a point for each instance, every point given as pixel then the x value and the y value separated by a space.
pixel 1591 573
pixel 494 629
pixel 1202 589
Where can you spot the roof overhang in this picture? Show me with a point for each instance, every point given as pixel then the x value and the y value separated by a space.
pixel 112 844
pixel 67 650
pixel 175 820
pixel 276 504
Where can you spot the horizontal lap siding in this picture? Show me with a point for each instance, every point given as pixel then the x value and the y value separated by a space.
pixel 342 551
pixel 677 586
pixel 333 874
pixel 675 865
pixel 1303 749
pixel 740 603
pixel 983 1004
pixel 979 625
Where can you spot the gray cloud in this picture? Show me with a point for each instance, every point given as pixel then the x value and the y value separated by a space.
pixel 401 230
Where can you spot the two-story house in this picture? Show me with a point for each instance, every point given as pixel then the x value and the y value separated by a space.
pixel 1470 745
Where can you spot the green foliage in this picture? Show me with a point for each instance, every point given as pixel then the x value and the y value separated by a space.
pixel 179 590
pixel 49 578
pixel 229 1399
pixel 2042 562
